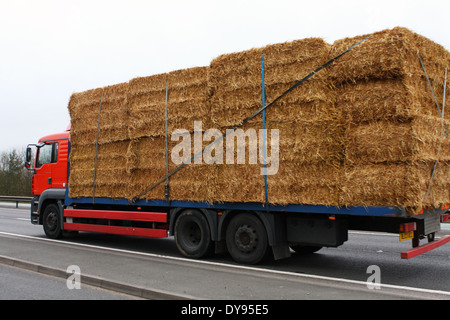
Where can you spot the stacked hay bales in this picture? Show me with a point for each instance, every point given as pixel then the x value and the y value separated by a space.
pixel 131 141
pixel 365 131
pixel 106 177
pixel 187 101
pixel 393 130
pixel 306 119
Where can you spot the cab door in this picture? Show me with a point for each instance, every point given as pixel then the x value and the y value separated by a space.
pixel 46 159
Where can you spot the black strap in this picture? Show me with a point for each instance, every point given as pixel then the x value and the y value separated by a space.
pixel 247 119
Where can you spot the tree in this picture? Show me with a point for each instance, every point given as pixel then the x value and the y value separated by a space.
pixel 15 179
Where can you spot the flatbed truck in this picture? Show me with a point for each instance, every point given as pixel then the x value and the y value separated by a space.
pixel 249 232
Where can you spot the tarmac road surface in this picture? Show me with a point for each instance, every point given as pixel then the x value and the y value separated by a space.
pixel 153 268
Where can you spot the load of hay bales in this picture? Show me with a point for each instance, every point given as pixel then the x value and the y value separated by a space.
pixel 307 122
pixel 131 136
pixel 394 133
pixel 187 101
pixel 102 165
pixel 365 131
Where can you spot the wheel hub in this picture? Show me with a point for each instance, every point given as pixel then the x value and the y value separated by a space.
pixel 51 220
pixel 246 238
pixel 194 234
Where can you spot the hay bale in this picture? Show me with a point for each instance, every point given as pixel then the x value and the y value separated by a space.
pixel 147 164
pixel 111 179
pixel 396 184
pixel 316 183
pixel 388 54
pixel 188 95
pixel 383 78
pixel 84 111
pixel 420 139
pixel 387 99
pixel 235 81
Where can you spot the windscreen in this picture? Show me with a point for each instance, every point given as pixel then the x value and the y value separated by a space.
pixel 46 154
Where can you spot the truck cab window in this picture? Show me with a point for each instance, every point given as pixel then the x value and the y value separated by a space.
pixel 47 154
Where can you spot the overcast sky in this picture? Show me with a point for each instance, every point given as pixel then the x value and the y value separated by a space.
pixel 52 48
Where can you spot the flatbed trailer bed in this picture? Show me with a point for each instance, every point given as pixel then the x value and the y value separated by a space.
pixel 303 228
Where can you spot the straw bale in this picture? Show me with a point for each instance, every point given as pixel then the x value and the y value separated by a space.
pixel 314 183
pixel 395 184
pixel 188 95
pixel 84 102
pixel 110 173
pixel 239 183
pixel 235 80
pixel 284 62
pixel 147 164
pixel 387 99
pixel 84 109
pixel 422 138
pixel 375 100
pixel 305 183
pixel 388 54
pixel 383 77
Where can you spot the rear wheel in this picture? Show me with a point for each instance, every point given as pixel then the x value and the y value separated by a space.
pixel 246 239
pixel 192 234
pixel 51 221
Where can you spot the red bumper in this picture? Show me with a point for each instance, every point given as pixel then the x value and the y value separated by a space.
pixel 425 248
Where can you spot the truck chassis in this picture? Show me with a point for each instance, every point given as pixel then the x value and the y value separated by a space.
pixel 249 232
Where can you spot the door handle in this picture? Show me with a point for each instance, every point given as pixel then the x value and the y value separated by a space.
pixel 49 180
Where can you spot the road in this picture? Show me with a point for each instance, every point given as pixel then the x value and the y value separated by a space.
pixel 153 268
pixel 20 284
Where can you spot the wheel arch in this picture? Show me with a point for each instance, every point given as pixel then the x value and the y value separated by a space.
pixel 49 196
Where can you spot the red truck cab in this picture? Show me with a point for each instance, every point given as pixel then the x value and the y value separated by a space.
pixel 49 181
pixel 51 163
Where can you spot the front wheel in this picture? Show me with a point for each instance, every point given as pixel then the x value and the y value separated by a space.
pixel 51 221
pixel 246 239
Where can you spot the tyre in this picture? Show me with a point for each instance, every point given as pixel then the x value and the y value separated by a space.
pixel 51 221
pixel 305 249
pixel 192 234
pixel 246 239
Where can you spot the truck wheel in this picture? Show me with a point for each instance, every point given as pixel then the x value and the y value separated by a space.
pixel 51 223
pixel 246 239
pixel 192 234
